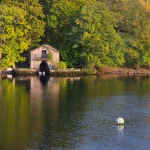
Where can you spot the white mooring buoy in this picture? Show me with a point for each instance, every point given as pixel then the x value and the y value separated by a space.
pixel 120 121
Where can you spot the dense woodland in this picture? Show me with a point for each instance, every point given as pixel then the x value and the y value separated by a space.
pixel 88 33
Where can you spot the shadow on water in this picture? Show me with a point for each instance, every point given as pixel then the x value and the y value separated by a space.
pixel 44 79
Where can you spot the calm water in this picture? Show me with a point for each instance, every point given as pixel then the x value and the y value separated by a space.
pixel 75 113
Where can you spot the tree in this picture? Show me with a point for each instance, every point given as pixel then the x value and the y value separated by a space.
pixel 133 26
pixel 60 19
pixel 136 24
pixel 21 26
pixel 94 33
pixel 34 16
pixel 13 34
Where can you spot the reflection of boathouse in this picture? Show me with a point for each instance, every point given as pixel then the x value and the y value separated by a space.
pixel 38 94
pixel 43 56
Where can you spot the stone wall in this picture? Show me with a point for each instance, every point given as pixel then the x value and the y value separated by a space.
pixel 35 64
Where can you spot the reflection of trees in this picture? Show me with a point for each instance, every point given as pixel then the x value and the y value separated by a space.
pixel 110 85
pixel 14 113
pixel 0 87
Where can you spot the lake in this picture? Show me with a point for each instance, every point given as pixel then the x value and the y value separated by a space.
pixel 75 113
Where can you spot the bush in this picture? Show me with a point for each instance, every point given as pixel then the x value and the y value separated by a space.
pixel 90 70
pixel 61 65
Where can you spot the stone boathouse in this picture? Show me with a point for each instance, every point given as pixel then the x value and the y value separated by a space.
pixel 43 56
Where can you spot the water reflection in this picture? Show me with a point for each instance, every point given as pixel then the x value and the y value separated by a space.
pixel 73 113
pixel 44 79
pixel 9 76
pixel 120 128
pixel 13 117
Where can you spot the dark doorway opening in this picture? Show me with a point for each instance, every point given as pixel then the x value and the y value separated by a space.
pixel 44 68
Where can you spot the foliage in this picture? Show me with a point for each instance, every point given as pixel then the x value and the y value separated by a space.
pixel 34 16
pixel 114 32
pixel 61 65
pixel 95 33
pixel 90 70
pixel 137 26
pixel 20 27
pixel 13 31
pixel 93 62
pixel 60 19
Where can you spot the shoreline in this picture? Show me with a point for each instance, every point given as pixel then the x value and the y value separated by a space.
pixel 78 72
pixel 34 72
pixel 124 71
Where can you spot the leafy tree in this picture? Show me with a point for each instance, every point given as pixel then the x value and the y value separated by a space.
pixel 21 26
pixel 13 31
pixel 133 26
pixel 114 5
pixel 34 16
pixel 61 16
pixel 94 33
pixel 60 19
pixel 136 25
pixel 47 5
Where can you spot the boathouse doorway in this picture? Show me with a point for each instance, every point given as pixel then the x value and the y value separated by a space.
pixel 44 68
